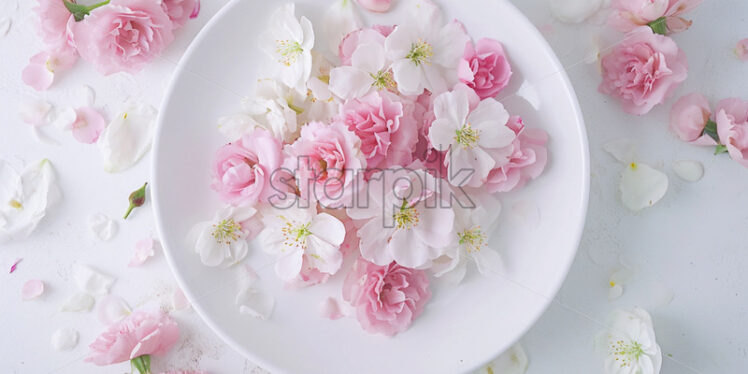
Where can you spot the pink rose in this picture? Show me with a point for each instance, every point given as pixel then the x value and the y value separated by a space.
pixel 179 11
pixel 526 162
pixel 141 333
pixel 385 124
pixel 374 35
pixel 380 6
pixel 630 14
pixel 688 118
pixel 53 19
pixel 326 161
pixel 124 35
pixel 485 68
pixel 247 171
pixel 732 127
pixel 40 72
pixel 387 298
pixel 643 70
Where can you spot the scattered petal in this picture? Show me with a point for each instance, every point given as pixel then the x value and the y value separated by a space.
pixel 621 276
pixel 659 295
pixel 144 249
pixel 32 289
pixel 87 96
pixel 88 125
pixel 642 186
pixel 25 198
pixel 64 339
pixel 128 137
pixel 623 150
pixel 5 26
pixel 574 11
pixel 35 112
pixel 178 300
pixel 330 308
pixel 255 303
pixel 91 281
pixel 80 302
pixel 689 171
pixel 102 226
pixel 741 50
pixel 513 361
pixel 112 309
pixel 615 292
pixel 14 265
pixel 64 119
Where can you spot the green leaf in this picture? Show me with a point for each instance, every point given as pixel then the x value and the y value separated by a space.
pixel 720 149
pixel 711 130
pixel 78 11
pixel 659 26
pixel 142 364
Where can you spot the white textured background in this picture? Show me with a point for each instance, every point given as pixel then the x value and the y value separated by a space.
pixel 692 246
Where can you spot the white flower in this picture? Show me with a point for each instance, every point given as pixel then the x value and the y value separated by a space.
pixel 470 240
pixel 289 42
pixel 25 198
pixel 91 281
pixel 369 69
pixel 642 186
pixel 128 137
pixel 425 52
pixel 300 236
pixel 251 300
pixel 476 139
pixel 223 241
pixel 340 20
pixel 629 343
pixel 407 219
pixel 513 361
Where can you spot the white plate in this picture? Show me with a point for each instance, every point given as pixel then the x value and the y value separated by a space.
pixel 463 327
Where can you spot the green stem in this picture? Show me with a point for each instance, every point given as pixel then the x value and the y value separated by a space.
pixel 659 26
pixel 720 149
pixel 711 130
pixel 79 11
pixel 129 210
pixel 142 364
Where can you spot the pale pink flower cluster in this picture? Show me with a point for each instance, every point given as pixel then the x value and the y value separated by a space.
pixel 362 157
pixel 114 36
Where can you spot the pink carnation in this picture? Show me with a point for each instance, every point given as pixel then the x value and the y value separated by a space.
pixel 732 127
pixel 630 14
pixel 53 19
pixel 688 118
pixel 124 35
pixel 387 298
pixel 326 161
pixel 179 11
pixel 386 127
pixel 526 162
pixel 141 333
pixel 485 68
pixel 247 171
pixel 643 70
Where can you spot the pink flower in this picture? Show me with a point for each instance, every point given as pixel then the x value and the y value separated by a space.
pixel 141 333
pixel 380 6
pixel 741 49
pixel 485 68
pixel 386 126
pixel 179 11
pixel 688 118
pixel 732 127
pixel 630 14
pixel 88 125
pixel 386 298
pixel 247 171
pixel 643 70
pixel 526 162
pixel 326 161
pixel 185 372
pixel 42 67
pixel 53 19
pixel 349 44
pixel 124 35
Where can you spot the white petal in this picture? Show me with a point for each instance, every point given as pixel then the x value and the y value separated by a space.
pixel 623 150
pixel 453 106
pixel 5 26
pixel 455 275
pixel 409 77
pixel 234 126
pixel 348 82
pixel 574 11
pixel 102 226
pixel 615 292
pixel 442 134
pixel 91 281
pixel 112 309
pixel 255 303
pixel 64 119
pixel 513 361
pixel 369 57
pixel 87 96
pixel 179 300
pixel 488 261
pixel 288 266
pixel 340 20
pixel 64 339
pixel 642 186
pixel 689 171
pixel 80 302
pixel 328 228
pixel 35 112
pixel 323 256
pixel 621 276
pixel 32 289
pixel 128 137
pixel 34 193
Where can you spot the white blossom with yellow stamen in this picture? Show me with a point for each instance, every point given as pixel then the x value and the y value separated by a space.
pixel 289 41
pixel 629 344
pixel 223 241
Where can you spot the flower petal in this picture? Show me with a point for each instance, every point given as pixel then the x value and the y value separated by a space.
pixel 513 361
pixel 88 125
pixel 255 303
pixel 689 171
pixel 348 82
pixel 623 150
pixel 91 281
pixel 35 112
pixel 80 302
pixel 340 20
pixel 642 186
pixel 112 309
pixel 128 137
pixel 574 11
pixel 32 289
pixel 144 249
pixel 64 339
pixel 179 300
pixel 102 226
pixel 37 76
pixel 30 197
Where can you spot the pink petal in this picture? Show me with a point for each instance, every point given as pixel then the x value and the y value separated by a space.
pixel 88 125
pixel 195 11
pixel 37 76
pixel 178 300
pixel 144 250
pixel 330 308
pixel 742 49
pixel 32 289
pixel 15 263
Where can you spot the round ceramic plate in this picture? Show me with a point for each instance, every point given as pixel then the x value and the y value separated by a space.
pixel 463 327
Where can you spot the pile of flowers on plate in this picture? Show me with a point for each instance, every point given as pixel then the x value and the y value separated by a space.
pixel 113 35
pixel 387 158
